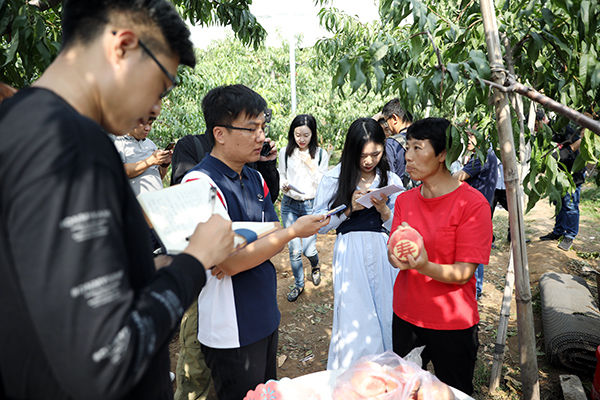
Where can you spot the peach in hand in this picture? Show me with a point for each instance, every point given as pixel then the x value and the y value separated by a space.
pixel 405 240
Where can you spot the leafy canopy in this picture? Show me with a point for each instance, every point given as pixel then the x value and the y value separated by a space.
pixel 30 31
pixel 267 71
pixel 433 57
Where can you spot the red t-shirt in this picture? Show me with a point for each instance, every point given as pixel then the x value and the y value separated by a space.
pixel 456 227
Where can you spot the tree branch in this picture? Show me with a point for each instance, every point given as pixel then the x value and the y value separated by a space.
pixel 457 96
pixel 511 85
pixel 463 11
pixel 437 15
pixel 474 23
pixel 440 65
pixel 418 34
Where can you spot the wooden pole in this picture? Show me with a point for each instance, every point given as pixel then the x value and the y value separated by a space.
pixel 503 325
pixel 517 101
pixel 526 331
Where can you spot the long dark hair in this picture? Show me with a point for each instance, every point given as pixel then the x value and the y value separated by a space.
pixel 311 123
pixel 361 132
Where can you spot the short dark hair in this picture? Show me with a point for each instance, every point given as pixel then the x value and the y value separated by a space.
pixel 223 104
pixel 539 114
pixel 432 129
pixel 393 107
pixel 84 20
pixel 303 120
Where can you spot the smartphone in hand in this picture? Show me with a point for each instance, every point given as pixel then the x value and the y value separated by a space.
pixel 335 210
pixel 170 146
pixel 266 149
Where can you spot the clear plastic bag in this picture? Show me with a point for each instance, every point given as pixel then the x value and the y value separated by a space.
pixel 388 376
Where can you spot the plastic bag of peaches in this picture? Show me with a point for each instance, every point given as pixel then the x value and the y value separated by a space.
pixel 388 376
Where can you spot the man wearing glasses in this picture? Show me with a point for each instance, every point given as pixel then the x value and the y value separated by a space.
pixel 237 311
pixel 191 149
pixel 84 313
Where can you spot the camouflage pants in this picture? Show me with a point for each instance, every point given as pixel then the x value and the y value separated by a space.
pixel 192 374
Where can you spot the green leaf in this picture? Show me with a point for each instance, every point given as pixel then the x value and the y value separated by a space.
pixel 548 17
pixel 44 53
pixel 533 198
pixel 471 99
pixel 379 76
pixel 344 66
pixel 481 63
pixel 12 50
pixel 357 77
pixel 585 16
pixel 456 147
pixel 535 45
pixel 431 22
pixel 419 13
pixel 416 46
pixel 410 85
pixel 583 69
pixel 590 147
pixel 580 163
pixel 5 18
pixel 380 50
pixel 454 70
pixel 595 76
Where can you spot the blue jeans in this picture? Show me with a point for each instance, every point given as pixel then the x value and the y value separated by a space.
pixel 479 280
pixel 567 219
pixel 291 210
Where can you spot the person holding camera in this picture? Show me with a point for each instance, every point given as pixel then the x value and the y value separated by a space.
pixel 302 164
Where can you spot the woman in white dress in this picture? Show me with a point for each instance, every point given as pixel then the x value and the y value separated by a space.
pixel 363 278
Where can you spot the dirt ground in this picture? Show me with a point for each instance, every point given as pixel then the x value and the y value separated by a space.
pixel 305 327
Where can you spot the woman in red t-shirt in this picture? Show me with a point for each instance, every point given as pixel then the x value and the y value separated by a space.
pixel 434 295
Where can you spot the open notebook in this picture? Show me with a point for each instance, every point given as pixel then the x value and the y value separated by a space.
pixel 174 213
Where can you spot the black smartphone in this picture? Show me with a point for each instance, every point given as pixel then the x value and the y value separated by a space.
pixel 170 146
pixel 266 149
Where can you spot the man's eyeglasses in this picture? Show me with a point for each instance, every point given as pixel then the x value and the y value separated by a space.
pixel 253 131
pixel 174 79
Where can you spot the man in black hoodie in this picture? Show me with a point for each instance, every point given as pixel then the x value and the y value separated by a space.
pixel 85 314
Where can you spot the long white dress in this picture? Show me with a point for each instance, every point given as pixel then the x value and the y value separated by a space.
pixel 363 282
